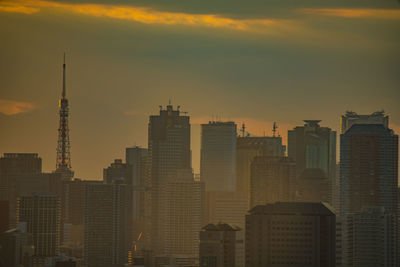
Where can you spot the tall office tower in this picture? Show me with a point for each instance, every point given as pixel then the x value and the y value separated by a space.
pixel 219 245
pixel 182 214
pixel 42 214
pixel 290 234
pixel 5 215
pixel 351 118
pixel 313 146
pixel 73 209
pixel 20 163
pixel 16 248
pixel 169 151
pixel 218 156
pixel 368 168
pixel 272 179
pixel 229 207
pixel 136 159
pixel 107 227
pixel 117 171
pixel 313 186
pixel 63 161
pixel 247 148
pixel 371 238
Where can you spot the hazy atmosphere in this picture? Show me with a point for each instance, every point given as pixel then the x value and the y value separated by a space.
pixel 248 61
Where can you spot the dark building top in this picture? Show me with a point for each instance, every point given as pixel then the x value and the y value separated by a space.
pixel 293 208
pixel 220 227
pixel 368 129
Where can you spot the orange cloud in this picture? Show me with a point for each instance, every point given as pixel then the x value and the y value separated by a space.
pixel 10 107
pixel 354 12
pixel 145 15
pixel 18 8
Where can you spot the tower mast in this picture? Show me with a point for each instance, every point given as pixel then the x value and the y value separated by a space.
pixel 63 161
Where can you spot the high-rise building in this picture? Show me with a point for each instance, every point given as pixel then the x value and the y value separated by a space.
pixel 290 234
pixel 313 186
pixel 136 159
pixel 313 146
pixel 351 118
pixel 371 238
pixel 229 207
pixel 20 163
pixel 247 148
pixel 368 168
pixel 169 151
pixel 107 225
pixel 117 171
pixel 182 214
pixel 42 214
pixel 272 179
pixel 219 245
pixel 218 156
pixel 63 160
pixel 16 248
pixel 5 215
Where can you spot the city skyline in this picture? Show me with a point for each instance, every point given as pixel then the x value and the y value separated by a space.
pixel 254 63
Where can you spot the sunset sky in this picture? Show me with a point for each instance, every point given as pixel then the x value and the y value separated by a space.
pixel 252 61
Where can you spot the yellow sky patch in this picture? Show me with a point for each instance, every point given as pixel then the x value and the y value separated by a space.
pixel 354 13
pixel 10 107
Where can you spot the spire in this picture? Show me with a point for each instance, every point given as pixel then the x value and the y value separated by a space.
pixel 64 89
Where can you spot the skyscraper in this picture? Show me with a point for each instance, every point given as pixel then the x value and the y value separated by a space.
pixel 63 162
pixel 117 171
pixel 218 245
pixel 313 146
pixel 107 226
pixel 247 148
pixel 370 238
pixel 351 118
pixel 218 156
pixel 272 179
pixel 368 168
pixel 42 214
pixel 169 151
pixel 290 234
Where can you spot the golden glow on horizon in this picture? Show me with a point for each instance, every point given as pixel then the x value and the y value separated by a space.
pixel 10 107
pixel 142 15
pixel 354 13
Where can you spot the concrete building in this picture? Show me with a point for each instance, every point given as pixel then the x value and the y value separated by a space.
pixel 169 151
pixel 5 215
pixel 371 238
pixel 221 245
pixel 290 234
pixel 229 207
pixel 313 146
pixel 137 160
pixel 42 214
pixel 272 179
pixel 313 186
pixel 107 225
pixel 368 168
pixel 16 248
pixel 182 214
pixel 247 148
pixel 218 156
pixel 20 163
pixel 117 171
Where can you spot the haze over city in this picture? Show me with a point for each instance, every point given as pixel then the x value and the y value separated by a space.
pixel 255 62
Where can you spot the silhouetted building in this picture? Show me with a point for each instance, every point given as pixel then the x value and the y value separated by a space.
pixel 42 215
pixel 290 234
pixel 117 171
pixel 370 238
pixel 272 179
pixel 313 146
pixel 182 214
pixel 351 118
pixel 137 161
pixel 247 148
pixel 107 225
pixel 219 244
pixel 313 186
pixel 20 163
pixel 218 156
pixel 169 151
pixel 229 207
pixel 5 215
pixel 16 248
pixel 368 168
